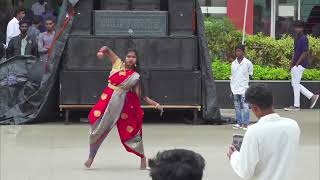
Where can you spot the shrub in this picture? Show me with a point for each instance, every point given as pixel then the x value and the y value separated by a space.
pixel 222 71
pixel 266 51
pixel 222 37
pixel 314 44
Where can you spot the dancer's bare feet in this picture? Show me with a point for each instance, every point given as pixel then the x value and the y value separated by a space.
pixel 143 164
pixel 88 162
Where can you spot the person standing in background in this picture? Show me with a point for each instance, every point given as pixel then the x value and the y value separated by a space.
pixel 13 28
pixel 29 14
pixel 38 8
pixel 48 13
pixel 34 29
pixel 22 44
pixel 241 71
pixel 6 9
pixel 45 39
pixel 299 63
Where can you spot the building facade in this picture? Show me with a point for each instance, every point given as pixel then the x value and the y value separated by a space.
pixel 270 17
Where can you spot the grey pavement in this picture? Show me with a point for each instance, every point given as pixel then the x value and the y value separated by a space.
pixel 53 151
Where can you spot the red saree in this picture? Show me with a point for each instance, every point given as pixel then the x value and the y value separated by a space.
pixel 118 105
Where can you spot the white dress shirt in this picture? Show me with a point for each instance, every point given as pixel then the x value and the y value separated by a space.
pixel 23 45
pixel 269 149
pixel 12 30
pixel 240 76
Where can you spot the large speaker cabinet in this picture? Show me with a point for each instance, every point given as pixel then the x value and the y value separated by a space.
pixel 166 87
pixel 165 53
pixel 115 4
pixel 82 23
pixel 146 5
pixel 181 17
pixel 136 5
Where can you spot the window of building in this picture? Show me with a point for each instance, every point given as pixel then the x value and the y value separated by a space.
pixel 286 14
pixel 276 17
pixel 310 14
pixel 215 8
pixel 262 17
pixel 214 3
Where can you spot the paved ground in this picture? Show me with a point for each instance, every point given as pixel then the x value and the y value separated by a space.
pixel 56 152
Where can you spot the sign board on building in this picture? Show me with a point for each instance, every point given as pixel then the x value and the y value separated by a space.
pixel 130 23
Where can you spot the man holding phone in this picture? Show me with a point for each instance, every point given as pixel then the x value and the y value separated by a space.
pixel 269 147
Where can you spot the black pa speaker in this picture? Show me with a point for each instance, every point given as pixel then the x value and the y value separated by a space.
pixel 146 5
pixel 181 17
pixel 82 22
pixel 82 87
pixel 166 87
pixel 167 53
pixel 115 4
pixel 158 53
pixel 175 87
pixel 80 53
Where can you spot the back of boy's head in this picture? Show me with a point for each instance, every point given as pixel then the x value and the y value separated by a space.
pixel 178 164
pixel 18 10
pixel 51 18
pixel 36 20
pixel 24 21
pixel 260 95
pixel 241 47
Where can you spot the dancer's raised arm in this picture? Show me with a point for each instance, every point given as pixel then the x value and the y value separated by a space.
pixel 106 51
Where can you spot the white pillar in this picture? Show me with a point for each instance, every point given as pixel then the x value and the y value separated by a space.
pixel 299 9
pixel 273 18
pixel 244 22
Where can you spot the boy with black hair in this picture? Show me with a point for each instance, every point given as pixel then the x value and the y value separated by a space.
pixel 177 164
pixel 299 63
pixel 241 71
pixel 269 147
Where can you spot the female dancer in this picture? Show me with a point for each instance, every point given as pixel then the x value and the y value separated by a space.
pixel 119 104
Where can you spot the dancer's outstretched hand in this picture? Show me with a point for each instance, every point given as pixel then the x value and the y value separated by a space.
pixel 160 108
pixel 101 53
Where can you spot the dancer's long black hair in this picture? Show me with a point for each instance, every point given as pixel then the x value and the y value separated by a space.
pixel 137 68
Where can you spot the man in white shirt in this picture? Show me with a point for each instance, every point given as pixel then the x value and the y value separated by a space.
pixel 269 147
pixel 13 25
pixel 241 70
